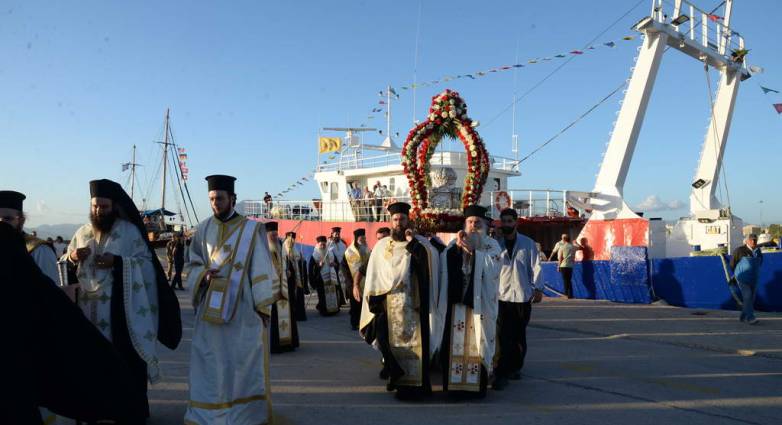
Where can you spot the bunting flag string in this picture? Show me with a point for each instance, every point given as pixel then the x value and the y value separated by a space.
pixel 479 74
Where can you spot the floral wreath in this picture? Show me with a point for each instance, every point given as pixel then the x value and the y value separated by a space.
pixel 447 117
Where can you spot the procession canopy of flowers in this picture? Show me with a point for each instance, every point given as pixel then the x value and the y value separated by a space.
pixel 447 118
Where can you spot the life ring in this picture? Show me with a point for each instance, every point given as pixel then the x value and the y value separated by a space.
pixel 502 200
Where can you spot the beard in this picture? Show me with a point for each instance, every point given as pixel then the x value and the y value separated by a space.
pixel 104 223
pixel 398 233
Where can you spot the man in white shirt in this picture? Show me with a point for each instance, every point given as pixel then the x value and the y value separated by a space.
pixel 520 286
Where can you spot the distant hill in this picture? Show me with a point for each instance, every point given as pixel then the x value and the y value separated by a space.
pixel 53 230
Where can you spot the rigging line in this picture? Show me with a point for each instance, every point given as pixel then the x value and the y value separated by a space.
pixel 415 59
pixel 562 65
pixel 178 172
pixel 716 133
pixel 567 127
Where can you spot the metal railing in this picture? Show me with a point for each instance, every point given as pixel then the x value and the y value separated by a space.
pixel 363 210
pixel 349 162
pixel 532 203
pixel 699 26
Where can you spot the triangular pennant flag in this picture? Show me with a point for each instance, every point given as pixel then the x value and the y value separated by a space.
pixel 559 56
pixel 609 44
pixel 714 18
pixel 628 37
pixel 754 69
pixel 778 107
pixel 532 61
pixel 591 48
pixel 518 65
pixel 767 90
pixel 470 76
pixel 576 52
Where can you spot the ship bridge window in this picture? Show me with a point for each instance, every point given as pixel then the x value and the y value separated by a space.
pixel 392 184
pixel 324 187
pixel 334 191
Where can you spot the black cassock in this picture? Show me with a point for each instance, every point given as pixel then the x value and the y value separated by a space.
pixel 53 356
pixel 316 282
pixel 355 306
pixel 460 291
pixel 275 346
pixel 378 328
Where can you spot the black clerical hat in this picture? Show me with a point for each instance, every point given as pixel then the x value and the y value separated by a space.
pixel 321 239
pixel 291 234
pixel 475 211
pixel 383 230
pixel 399 208
pixel 105 188
pixel 336 229
pixel 359 232
pixel 11 199
pixel 221 182
pixel 272 226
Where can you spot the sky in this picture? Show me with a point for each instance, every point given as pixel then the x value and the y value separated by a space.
pixel 250 83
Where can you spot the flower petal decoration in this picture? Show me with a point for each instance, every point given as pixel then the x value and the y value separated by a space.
pixel 443 121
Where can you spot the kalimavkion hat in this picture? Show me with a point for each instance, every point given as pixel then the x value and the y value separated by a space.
pixel 221 182
pixel 11 199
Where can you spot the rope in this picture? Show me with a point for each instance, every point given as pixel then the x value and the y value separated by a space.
pixel 716 133
pixel 567 127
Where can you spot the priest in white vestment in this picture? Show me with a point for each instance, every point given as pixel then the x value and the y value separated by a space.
pixel 470 269
pixel 337 247
pixel 233 283
pixel 124 291
pixel 403 306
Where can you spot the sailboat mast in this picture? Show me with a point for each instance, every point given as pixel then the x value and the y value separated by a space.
pixel 165 163
pixel 133 173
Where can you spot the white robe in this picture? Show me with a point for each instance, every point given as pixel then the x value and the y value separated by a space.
pixel 139 286
pixel 229 362
pixel 338 250
pixel 384 275
pixel 485 292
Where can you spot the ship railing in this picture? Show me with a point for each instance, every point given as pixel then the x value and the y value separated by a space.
pixel 698 26
pixel 360 210
pixel 351 162
pixel 549 203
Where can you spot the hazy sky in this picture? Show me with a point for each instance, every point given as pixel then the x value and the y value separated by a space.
pixel 249 83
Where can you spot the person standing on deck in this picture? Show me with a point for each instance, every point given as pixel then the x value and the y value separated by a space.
pixel 284 331
pixel 470 267
pixel 124 291
pixel 356 259
pixel 234 285
pixel 521 284
pixel 323 277
pixel 403 306
pixel 746 262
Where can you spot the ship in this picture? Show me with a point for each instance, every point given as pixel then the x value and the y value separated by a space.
pixel 626 257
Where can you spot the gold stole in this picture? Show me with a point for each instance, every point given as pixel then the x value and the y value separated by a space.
pixel 223 293
pixel 284 315
pixel 464 352
pixel 404 327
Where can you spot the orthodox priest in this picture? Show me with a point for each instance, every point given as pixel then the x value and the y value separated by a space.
pixel 403 306
pixel 124 291
pixel 284 332
pixel 11 212
pixel 297 270
pixel 234 286
pixel 355 270
pixel 323 277
pixel 337 247
pixel 470 269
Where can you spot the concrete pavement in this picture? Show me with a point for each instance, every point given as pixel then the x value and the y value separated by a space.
pixel 589 362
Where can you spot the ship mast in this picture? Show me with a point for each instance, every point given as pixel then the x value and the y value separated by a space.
pixel 133 172
pixel 165 144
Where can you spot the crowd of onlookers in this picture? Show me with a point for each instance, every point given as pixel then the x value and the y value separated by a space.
pixel 370 204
